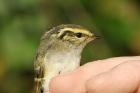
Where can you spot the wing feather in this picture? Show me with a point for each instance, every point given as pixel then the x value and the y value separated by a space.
pixel 39 74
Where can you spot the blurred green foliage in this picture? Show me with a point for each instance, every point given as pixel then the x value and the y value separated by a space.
pixel 22 22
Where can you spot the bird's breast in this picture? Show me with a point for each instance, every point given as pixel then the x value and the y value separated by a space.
pixel 62 62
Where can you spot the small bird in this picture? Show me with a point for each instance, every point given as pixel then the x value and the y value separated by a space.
pixel 59 51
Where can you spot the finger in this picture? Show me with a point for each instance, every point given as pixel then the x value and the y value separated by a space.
pixel 75 82
pixel 125 78
pixel 68 83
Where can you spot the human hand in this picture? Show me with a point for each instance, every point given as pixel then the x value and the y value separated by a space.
pixel 114 75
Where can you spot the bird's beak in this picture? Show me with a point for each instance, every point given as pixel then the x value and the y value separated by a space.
pixel 97 37
pixel 93 37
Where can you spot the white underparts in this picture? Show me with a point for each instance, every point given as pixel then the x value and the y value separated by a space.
pixel 59 63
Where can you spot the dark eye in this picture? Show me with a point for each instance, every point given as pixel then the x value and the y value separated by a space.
pixel 79 35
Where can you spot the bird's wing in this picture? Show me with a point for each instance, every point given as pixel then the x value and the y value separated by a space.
pixel 39 68
pixel 39 74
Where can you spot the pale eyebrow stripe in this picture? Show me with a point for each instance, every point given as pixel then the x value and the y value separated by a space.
pixel 76 30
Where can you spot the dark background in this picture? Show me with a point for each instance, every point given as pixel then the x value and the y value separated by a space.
pixel 22 22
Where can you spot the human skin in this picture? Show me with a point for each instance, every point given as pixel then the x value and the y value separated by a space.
pixel 113 75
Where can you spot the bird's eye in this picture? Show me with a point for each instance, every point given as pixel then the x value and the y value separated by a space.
pixel 79 35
